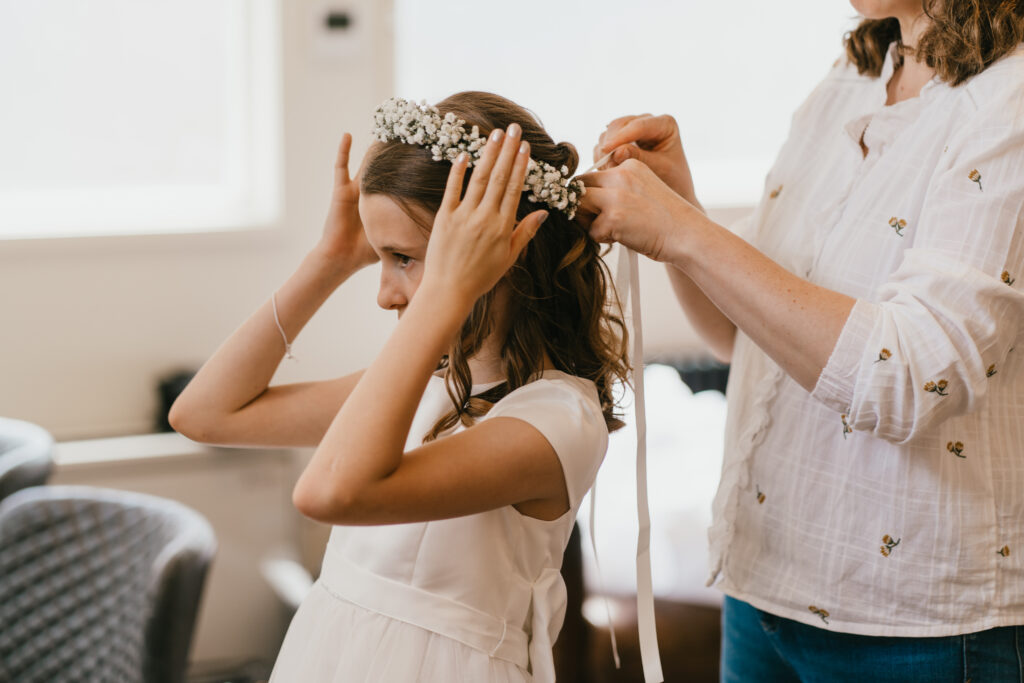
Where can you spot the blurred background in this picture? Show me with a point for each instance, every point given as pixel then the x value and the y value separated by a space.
pixel 165 166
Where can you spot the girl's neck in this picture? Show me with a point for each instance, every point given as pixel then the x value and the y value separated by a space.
pixel 486 366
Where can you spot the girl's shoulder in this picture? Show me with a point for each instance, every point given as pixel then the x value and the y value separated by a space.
pixel 566 410
pixel 554 387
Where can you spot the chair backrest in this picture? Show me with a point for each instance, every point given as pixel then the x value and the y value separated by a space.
pixel 98 584
pixel 26 455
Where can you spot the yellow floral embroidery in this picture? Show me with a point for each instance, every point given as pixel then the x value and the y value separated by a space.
pixel 889 544
pixel 884 354
pixel 1004 551
pixel 1006 277
pixel 897 224
pixel 937 387
pixel 991 370
pixel 775 193
pixel 760 495
pixel 823 613
pixel 847 429
pixel 976 177
pixel 956 448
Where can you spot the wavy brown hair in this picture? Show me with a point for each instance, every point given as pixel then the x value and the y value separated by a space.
pixel 561 298
pixel 963 39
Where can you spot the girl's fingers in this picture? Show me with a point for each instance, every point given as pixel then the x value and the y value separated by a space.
pixel 502 170
pixel 514 187
pixel 341 163
pixel 453 189
pixel 482 168
pixel 526 229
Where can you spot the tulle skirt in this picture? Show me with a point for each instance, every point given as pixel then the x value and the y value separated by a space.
pixel 331 640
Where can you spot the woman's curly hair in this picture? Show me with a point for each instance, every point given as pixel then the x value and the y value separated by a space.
pixel 561 301
pixel 964 38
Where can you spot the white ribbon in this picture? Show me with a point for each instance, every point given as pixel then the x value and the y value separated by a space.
pixel 549 602
pixel 627 283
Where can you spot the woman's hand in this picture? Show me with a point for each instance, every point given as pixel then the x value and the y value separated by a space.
pixel 475 239
pixel 655 141
pixel 631 205
pixel 343 239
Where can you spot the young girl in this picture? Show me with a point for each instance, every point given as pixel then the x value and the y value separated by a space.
pixel 453 466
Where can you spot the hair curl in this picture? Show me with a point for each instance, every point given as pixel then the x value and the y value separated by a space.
pixel 962 40
pixel 562 301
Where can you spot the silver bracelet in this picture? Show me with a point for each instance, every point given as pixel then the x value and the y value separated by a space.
pixel 287 344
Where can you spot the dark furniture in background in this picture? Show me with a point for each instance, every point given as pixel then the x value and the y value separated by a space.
pixel 98 585
pixel 26 455
pixel 688 634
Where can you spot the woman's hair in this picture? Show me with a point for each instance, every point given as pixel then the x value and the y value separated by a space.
pixel 964 37
pixel 560 296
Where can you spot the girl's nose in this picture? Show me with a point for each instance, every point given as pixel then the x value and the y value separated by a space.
pixel 390 296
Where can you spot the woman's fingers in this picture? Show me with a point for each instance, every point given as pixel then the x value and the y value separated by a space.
pixel 482 168
pixel 453 189
pixel 502 170
pixel 646 131
pixel 514 186
pixel 341 176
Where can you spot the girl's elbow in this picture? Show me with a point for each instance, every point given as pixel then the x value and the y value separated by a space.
pixel 330 506
pixel 185 422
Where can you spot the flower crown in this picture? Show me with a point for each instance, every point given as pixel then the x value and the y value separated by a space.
pixel 447 137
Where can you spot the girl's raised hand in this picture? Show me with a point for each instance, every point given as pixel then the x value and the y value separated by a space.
pixel 475 239
pixel 343 238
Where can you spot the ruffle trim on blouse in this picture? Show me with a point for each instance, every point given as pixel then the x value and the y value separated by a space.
pixel 736 472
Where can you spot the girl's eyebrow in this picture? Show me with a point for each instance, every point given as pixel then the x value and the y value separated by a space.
pixel 398 249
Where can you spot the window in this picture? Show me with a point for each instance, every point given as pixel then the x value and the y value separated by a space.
pixel 135 117
pixel 732 73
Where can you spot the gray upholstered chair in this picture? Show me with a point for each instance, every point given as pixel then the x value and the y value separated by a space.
pixel 26 455
pixel 98 585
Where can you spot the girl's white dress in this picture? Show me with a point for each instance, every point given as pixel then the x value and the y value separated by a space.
pixel 476 599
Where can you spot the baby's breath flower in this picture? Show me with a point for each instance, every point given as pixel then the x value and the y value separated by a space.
pixel 446 137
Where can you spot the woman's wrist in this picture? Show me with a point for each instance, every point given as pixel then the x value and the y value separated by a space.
pixel 692 236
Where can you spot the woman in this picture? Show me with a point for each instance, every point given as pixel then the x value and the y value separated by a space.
pixel 452 467
pixel 868 524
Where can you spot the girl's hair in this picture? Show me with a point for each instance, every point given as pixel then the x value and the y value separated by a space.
pixel 561 300
pixel 964 37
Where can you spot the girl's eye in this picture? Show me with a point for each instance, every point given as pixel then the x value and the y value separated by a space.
pixel 403 260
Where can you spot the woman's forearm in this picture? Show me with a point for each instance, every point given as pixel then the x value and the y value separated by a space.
pixel 711 325
pixel 794 321
pixel 243 366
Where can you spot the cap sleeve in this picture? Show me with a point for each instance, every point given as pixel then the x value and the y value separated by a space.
pixel 566 412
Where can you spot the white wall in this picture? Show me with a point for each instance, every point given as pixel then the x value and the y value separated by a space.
pixel 88 325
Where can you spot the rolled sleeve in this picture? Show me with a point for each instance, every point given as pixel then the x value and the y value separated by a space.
pixel 923 351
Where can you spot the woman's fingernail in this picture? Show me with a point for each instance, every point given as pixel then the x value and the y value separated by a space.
pixel 524 147
pixel 463 158
pixel 496 134
pixel 514 129
pixel 544 217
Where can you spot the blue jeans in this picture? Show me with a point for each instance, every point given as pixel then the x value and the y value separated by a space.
pixel 762 648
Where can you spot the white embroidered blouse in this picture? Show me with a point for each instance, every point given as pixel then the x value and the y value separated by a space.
pixel 890 500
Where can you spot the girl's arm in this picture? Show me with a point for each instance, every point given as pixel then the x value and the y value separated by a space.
pixel 229 401
pixel 360 473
